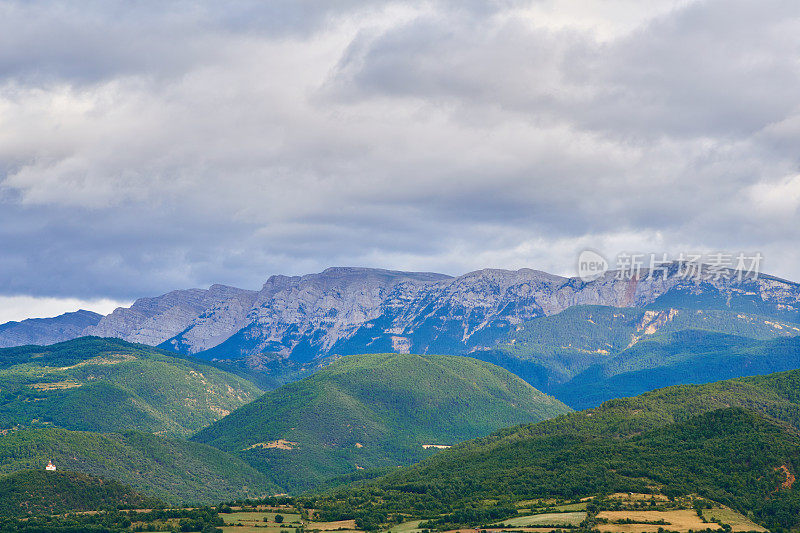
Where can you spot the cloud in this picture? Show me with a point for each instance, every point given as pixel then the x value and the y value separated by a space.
pixel 144 149
pixel 21 307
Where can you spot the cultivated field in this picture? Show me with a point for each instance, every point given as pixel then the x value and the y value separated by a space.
pixel 249 521
pixel 728 516
pixel 681 520
pixel 412 526
pixel 547 519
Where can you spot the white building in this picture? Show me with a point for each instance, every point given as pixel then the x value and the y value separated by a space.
pixel 50 466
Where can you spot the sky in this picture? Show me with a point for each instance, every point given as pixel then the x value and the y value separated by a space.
pixel 149 146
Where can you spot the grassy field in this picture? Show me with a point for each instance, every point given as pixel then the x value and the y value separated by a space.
pixel 412 526
pixel 250 518
pixel 263 521
pixel 566 519
pixel 571 507
pixel 340 525
pixel 249 529
pixel 680 520
pixel 628 497
pixel 728 516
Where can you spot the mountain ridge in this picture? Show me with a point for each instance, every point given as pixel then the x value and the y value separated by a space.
pixel 346 310
pixel 40 331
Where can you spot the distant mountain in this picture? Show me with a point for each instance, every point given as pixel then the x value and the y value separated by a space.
pixel 343 311
pixel 688 356
pixel 36 492
pixel 213 315
pixel 374 411
pixel 95 384
pixel 47 330
pixel 346 311
pixel 305 317
pixel 588 354
pixel 735 442
pixel 174 470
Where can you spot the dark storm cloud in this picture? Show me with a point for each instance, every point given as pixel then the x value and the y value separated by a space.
pixel 148 146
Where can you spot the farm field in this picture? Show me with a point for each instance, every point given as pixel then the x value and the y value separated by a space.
pixel 340 525
pixel 259 521
pixel 263 521
pixel 728 516
pixel 679 520
pixel 629 497
pixel 531 506
pixel 259 516
pixel 561 519
pixel 412 526
pixel 525 529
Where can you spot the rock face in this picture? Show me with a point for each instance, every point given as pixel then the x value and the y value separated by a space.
pixel 305 316
pixel 154 320
pixel 361 310
pixel 345 311
pixel 47 330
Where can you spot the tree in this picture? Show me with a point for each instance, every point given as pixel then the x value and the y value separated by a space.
pixel 279 519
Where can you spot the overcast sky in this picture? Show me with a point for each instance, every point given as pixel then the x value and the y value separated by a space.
pixel 149 146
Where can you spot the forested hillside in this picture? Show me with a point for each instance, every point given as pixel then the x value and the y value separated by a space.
pixel 588 354
pixel 108 385
pixel 735 442
pixel 172 469
pixel 375 410
pixel 36 492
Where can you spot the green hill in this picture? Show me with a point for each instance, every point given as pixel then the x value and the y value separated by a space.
pixel 576 354
pixel 736 442
pixel 267 370
pixel 36 492
pixel 172 469
pixel 109 385
pixel 374 411
pixel 688 356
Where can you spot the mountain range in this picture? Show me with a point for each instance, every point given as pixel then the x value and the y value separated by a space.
pixel 360 310
pixel 369 371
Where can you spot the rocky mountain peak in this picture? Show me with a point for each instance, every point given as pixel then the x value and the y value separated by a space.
pixel 47 330
pixel 354 309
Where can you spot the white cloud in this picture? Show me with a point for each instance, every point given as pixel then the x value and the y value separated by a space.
pixel 167 149
pixel 780 198
pixel 22 307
